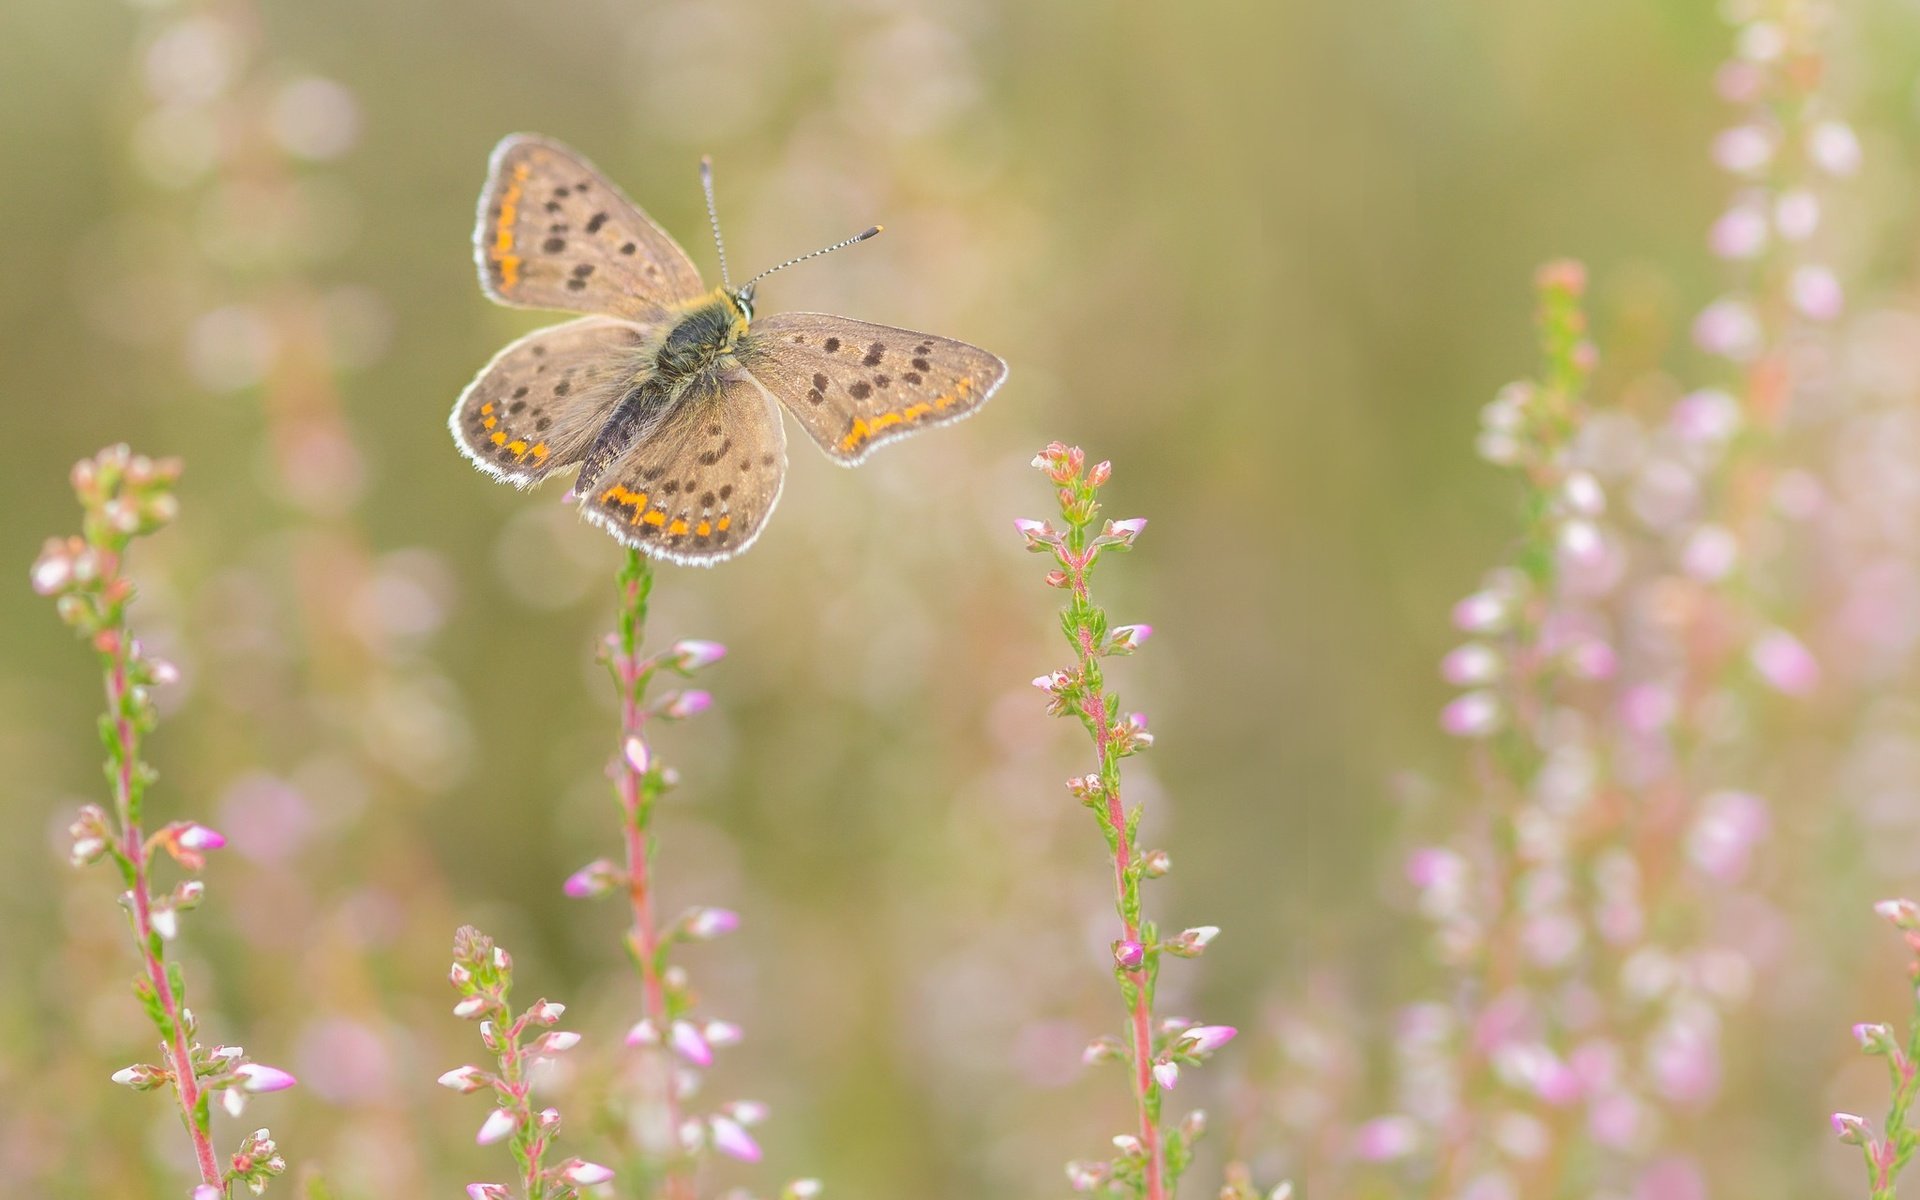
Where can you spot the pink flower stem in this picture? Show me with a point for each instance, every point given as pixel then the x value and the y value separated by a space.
pixel 637 793
pixel 129 784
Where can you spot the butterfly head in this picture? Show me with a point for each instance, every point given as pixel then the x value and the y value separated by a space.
pixel 742 301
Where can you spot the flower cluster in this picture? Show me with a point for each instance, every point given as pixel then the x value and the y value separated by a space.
pixel 1886 1155
pixel 124 496
pixel 483 975
pixel 1150 1160
pixel 677 1041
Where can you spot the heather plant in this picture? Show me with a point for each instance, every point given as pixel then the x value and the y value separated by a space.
pixel 675 1039
pixel 1886 1153
pixel 483 975
pixel 1151 1157
pixel 124 497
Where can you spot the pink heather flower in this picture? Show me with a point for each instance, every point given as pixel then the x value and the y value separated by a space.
pixel 1085 1176
pixel 1797 214
pixel 1128 1145
pixel 1834 146
pixel 1104 1048
pixel 1384 1139
pixel 582 1173
pixel 1787 665
pixel 1121 533
pixel 256 1077
pixel 1129 954
pixel 689 1043
pixel 1584 494
pixel 1729 328
pixel 802 1189
pixel 199 837
pixel 548 1120
pixel 207 1191
pixel 1155 863
pixel 53 570
pixel 1040 535
pixel 1205 1039
pixel 500 1123
pixel 1902 914
pixel 1592 659
pixel 487 1191
pixel 470 1007
pixel 559 1041
pixel 1874 1039
pixel 1710 553
pixel 634 751
pixel 1471 665
pixel 1126 638
pixel 465 1079
pixel 678 706
pixel 691 654
pixel 1743 149
pixel 1099 473
pixel 1053 683
pixel 1166 1073
pixel 1133 733
pixel 705 924
pixel 545 1012
pixel 597 878
pixel 1740 233
pixel 1191 942
pixel 1816 293
pixel 722 1033
pixel 1482 612
pixel 1580 543
pixel 730 1139
pixel 1473 715
pixel 1851 1130
pixel 747 1112
pixel 643 1033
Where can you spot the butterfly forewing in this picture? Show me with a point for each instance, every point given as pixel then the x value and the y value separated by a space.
pixel 537 405
pixel 552 232
pixel 698 487
pixel 853 385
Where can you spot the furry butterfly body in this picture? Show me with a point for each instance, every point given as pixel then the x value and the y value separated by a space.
pixel 668 396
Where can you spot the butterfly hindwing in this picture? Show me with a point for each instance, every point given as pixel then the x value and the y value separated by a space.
pixel 535 408
pixel 697 487
pixel 854 386
pixel 552 232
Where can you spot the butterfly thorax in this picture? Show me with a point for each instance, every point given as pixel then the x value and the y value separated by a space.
pixel 706 331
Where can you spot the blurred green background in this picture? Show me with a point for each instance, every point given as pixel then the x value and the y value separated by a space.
pixel 1267 258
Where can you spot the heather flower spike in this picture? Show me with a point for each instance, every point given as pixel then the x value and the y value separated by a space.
pixel 124 496
pixel 483 972
pixel 1151 1158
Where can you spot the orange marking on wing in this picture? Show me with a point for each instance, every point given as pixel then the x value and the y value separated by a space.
pixel 499 439
pixel 723 523
pixel 856 433
pixel 490 422
pixel 486 410
pixel 519 448
pixel 656 517
pixel 539 451
pixel 503 232
pixel 916 410
pixel 703 528
pixel 885 421
pixel 678 527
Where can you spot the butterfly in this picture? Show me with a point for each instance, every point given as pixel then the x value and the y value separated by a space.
pixel 667 394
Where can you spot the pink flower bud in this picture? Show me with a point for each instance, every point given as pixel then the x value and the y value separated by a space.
pixel 1384 1139
pixel 1473 715
pixel 545 1012
pixel 705 924
pixel 548 1120
pixel 1129 954
pixel 1128 1145
pixel 747 1112
pixel 1085 1176
pixel 1040 535
pixel 721 1033
pixel 53 570
pixel 1166 1073
pixel 1121 534
pixel 256 1077
pixel 1155 863
pixel 207 1191
pixel 1057 579
pixel 465 1079
pixel 1205 1039
pixel 557 1042
pixel 730 1139
pixel 471 1007
pixel 1099 473
pixel 1816 293
pixel 199 837
pixel 141 1077
pixel 500 1123
pixel 1785 663
pixel 1482 612
pixel 1851 1130
pixel 690 1044
pixel 1797 214
pixel 1471 665
pixel 597 878
pixel 678 706
pixel 1729 328
pixel 1191 942
pixel 487 1191
pixel 1054 683
pixel 1102 1049
pixel 1903 914
pixel 802 1189
pixel 691 655
pixel 1743 149
pixel 643 1033
pixel 1740 233
pixel 638 758
pixel 1835 147
pixel 1874 1039
pixel 582 1173
pixel 1127 638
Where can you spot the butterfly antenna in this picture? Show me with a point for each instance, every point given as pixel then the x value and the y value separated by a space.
pixel 713 216
pixel 856 238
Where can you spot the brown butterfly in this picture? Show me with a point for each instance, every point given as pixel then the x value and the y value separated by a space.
pixel 668 396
